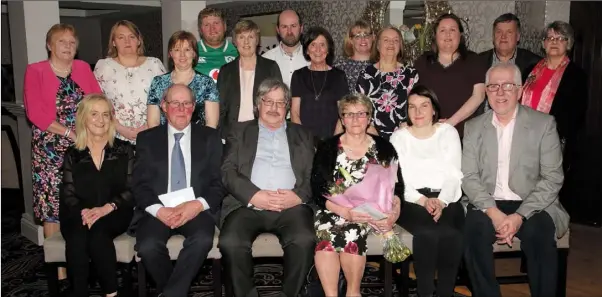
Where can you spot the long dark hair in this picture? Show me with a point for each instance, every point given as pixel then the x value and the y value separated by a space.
pixel 433 56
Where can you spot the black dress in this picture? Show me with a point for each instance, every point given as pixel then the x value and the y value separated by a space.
pixel 319 92
pixel 86 187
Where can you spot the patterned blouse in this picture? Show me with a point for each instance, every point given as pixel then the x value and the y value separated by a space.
pixel 202 85
pixel 127 88
pixel 352 70
pixel 389 94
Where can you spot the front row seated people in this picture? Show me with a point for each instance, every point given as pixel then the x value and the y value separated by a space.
pixel 341 231
pixel 512 165
pixel 266 169
pixel 174 157
pixel 96 204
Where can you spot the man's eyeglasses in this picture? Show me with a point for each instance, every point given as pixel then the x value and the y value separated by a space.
pixel 177 104
pixel 359 115
pixel 553 38
pixel 359 36
pixel 505 87
pixel 279 104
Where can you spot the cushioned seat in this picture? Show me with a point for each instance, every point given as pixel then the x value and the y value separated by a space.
pixel 54 248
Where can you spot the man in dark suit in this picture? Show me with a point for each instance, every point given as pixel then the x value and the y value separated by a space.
pixel 267 168
pixel 169 158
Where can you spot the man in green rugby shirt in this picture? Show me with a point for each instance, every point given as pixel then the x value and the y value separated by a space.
pixel 214 49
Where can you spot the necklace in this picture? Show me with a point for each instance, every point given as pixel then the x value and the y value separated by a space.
pixel 349 149
pixel 59 70
pixel 311 75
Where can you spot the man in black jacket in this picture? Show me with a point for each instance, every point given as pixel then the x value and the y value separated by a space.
pixel 506 35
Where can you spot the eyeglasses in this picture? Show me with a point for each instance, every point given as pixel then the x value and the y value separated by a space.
pixel 552 38
pixel 279 104
pixel 505 87
pixel 359 115
pixel 359 36
pixel 176 104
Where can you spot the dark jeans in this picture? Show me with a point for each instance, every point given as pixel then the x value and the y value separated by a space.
pixel 83 245
pixel 437 246
pixel 538 242
pixel 293 227
pixel 151 238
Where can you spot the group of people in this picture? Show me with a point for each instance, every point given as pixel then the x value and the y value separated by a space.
pixel 110 145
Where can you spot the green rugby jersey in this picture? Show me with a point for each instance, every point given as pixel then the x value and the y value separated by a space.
pixel 211 59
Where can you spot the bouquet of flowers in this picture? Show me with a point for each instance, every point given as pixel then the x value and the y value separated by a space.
pixel 374 191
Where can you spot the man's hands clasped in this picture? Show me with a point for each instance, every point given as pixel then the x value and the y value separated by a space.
pixel 506 226
pixel 175 217
pixel 275 200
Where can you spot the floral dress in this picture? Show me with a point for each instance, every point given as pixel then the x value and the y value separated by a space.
pixel 127 87
pixel 48 151
pixel 202 86
pixel 334 233
pixel 389 94
pixel 352 70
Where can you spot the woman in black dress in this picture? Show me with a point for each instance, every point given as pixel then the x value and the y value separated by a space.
pixel 317 87
pixel 95 202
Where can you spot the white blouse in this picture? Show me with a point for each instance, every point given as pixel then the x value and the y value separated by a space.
pixel 127 88
pixel 434 162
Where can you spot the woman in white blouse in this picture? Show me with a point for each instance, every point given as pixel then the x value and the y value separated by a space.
pixel 430 157
pixel 125 77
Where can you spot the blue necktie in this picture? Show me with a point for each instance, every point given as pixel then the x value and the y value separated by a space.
pixel 178 169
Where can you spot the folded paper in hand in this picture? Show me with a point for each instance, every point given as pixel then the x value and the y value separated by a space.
pixel 173 199
pixel 370 210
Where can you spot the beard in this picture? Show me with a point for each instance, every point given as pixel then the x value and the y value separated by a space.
pixel 290 40
pixel 214 39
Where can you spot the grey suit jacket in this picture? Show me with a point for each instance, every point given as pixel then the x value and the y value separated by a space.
pixel 239 156
pixel 536 173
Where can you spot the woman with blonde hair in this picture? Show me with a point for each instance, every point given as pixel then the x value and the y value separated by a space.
pixel 96 204
pixel 51 92
pixel 125 77
pixel 387 82
pixel 357 48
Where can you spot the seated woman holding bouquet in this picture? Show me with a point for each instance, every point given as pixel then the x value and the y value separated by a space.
pixel 353 169
pixel 95 199
pixel 430 157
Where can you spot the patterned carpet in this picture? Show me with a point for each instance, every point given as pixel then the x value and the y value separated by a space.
pixel 23 269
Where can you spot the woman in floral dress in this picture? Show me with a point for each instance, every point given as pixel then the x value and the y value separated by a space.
pixel 125 77
pixel 341 231
pixel 52 90
pixel 388 82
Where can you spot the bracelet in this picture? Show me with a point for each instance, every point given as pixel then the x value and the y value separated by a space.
pixel 68 132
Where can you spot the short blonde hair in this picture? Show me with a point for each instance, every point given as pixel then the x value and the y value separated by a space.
pixel 60 28
pixel 348 43
pixel 376 54
pixel 112 50
pixel 246 26
pixel 353 99
pixel 83 109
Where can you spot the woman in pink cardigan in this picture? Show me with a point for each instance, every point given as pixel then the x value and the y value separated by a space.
pixel 52 90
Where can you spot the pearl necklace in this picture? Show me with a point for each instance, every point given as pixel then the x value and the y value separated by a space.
pixel 59 70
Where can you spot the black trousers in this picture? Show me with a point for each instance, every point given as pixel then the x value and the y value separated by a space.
pixel 293 227
pixel 538 242
pixel 83 245
pixel 437 246
pixel 151 239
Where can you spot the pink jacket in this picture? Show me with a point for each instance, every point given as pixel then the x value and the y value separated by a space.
pixel 41 85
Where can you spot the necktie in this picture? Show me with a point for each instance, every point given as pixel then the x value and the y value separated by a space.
pixel 178 170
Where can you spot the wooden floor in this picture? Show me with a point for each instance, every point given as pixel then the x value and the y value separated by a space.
pixel 584 271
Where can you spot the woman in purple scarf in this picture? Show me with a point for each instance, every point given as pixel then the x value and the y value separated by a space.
pixel 342 162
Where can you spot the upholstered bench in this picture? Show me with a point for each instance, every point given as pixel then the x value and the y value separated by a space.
pixel 505 252
pixel 54 257
pixel 174 246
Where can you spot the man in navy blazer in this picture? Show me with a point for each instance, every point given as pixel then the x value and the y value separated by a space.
pixel 175 157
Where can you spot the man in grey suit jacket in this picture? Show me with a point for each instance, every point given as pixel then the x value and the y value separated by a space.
pixel 266 170
pixel 512 165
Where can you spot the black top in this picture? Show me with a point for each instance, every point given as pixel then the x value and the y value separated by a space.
pixel 325 161
pixel 525 60
pixel 84 186
pixel 319 115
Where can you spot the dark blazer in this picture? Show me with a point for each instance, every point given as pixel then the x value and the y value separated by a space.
pixel 525 60
pixel 326 159
pixel 241 147
pixel 228 84
pixel 150 177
